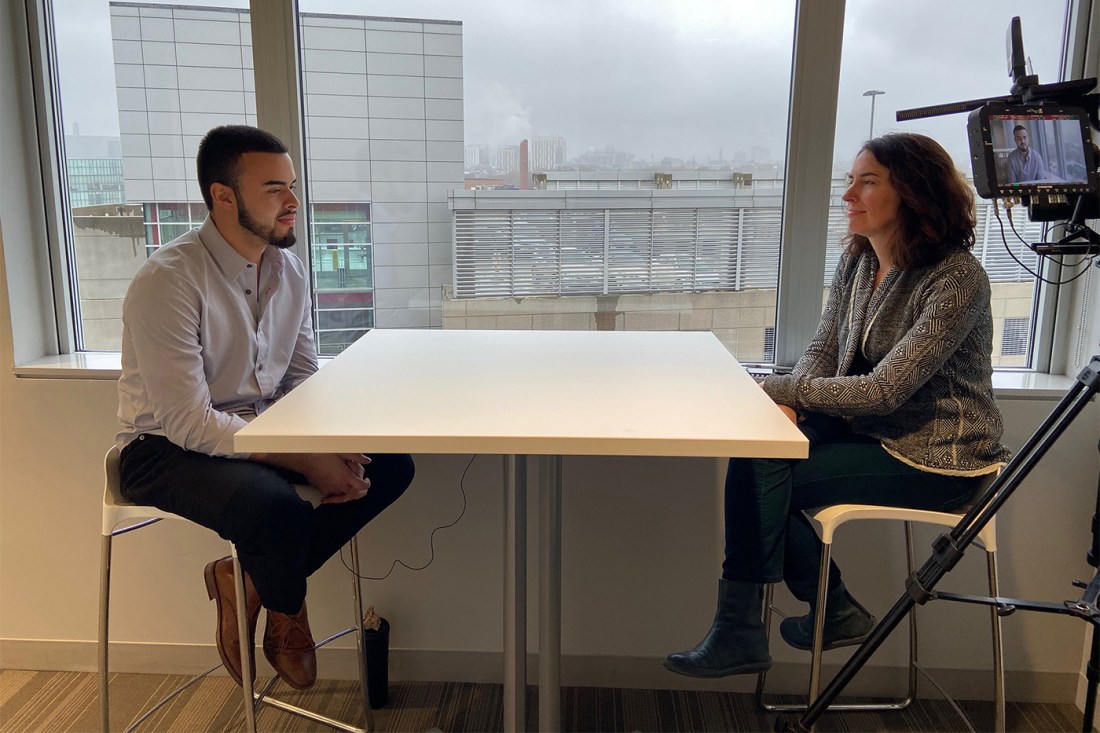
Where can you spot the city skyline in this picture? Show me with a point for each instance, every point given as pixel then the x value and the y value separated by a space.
pixel 488 156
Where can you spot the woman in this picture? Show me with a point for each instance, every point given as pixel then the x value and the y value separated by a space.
pixel 894 393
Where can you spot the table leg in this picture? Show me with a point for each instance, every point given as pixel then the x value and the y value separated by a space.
pixel 550 593
pixel 515 593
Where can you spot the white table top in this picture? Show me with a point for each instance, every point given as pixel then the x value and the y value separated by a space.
pixel 529 393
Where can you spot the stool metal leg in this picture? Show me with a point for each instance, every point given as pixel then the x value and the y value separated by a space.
pixel 104 628
pixel 245 643
pixel 819 639
pixel 762 678
pixel 355 628
pixel 998 650
pixel 914 647
pixel 357 595
pixel 816 653
pixel 819 622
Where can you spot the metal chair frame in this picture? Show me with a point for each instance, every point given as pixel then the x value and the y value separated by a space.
pixel 830 519
pixel 122 517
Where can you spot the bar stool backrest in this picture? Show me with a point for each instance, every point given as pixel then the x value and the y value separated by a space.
pixel 116 508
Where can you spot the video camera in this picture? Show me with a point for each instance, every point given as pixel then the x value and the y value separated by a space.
pixel 1034 145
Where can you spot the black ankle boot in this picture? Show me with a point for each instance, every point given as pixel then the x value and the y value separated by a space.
pixel 735 644
pixel 847 623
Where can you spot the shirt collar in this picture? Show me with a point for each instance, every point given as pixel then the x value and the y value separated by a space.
pixel 229 261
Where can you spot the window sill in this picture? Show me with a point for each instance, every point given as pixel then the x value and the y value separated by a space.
pixel 1011 385
pixel 82 365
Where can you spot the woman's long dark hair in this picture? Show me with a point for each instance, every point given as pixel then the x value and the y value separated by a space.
pixel 936 207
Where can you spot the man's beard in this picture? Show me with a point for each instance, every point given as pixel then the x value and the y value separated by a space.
pixel 246 220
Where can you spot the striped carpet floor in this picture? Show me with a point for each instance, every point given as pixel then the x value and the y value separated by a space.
pixel 68 701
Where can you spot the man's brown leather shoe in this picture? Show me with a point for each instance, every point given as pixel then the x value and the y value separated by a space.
pixel 288 645
pixel 220 586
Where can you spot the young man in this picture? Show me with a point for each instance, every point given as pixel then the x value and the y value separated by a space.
pixel 216 327
pixel 1024 163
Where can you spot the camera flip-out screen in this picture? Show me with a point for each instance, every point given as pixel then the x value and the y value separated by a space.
pixel 1027 151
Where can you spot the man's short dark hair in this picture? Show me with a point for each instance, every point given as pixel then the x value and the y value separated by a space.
pixel 220 151
pixel 1018 127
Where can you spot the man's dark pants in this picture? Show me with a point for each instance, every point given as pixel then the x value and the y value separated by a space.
pixel 280 538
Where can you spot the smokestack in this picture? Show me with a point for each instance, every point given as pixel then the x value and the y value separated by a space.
pixel 524 172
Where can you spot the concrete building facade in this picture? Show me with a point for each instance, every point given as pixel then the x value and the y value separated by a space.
pixel 607 251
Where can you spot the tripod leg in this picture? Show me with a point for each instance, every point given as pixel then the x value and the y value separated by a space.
pixel 1092 671
pixel 1092 676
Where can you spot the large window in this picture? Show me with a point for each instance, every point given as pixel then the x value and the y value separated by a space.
pixel 522 164
pixel 139 84
pixel 528 103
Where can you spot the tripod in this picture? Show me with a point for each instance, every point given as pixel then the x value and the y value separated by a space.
pixel 948 549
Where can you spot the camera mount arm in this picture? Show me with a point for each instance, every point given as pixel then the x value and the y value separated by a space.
pixel 1079 238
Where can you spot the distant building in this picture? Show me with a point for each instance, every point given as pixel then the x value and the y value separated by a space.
pixel 476 157
pixel 676 250
pixel 626 180
pixel 547 153
pixel 483 182
pixel 95 181
pixel 94 167
pixel 606 158
pixel 505 159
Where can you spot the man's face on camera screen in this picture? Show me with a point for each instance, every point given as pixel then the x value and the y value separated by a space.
pixel 1020 136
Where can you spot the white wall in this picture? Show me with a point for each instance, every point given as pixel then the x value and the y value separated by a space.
pixel 641 554
pixel 641 536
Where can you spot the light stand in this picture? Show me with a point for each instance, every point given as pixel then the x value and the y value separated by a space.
pixel 948 549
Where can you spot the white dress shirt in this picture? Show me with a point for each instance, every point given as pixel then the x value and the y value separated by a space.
pixel 1027 166
pixel 208 343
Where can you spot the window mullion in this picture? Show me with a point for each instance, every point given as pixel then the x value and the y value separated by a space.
pixel 275 53
pixel 815 82
pixel 62 275
pixel 1057 329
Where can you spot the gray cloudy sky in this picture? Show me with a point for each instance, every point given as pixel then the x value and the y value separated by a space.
pixel 678 78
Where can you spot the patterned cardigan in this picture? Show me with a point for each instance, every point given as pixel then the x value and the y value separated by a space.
pixel 929 332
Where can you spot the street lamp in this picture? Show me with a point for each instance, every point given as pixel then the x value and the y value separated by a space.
pixel 872 93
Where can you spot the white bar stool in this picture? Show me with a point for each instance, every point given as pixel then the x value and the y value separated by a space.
pixel 830 519
pixel 120 516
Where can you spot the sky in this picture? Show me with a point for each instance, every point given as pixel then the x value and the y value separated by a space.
pixel 676 78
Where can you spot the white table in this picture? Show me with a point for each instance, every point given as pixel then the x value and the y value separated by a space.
pixel 524 393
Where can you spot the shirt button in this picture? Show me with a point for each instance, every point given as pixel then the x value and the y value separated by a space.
pixel 260 368
pixel 248 292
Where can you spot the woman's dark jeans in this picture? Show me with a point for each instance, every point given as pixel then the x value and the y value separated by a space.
pixel 769 539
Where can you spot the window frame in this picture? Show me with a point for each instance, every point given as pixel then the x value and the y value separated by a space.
pixel 62 284
pixel 815 75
